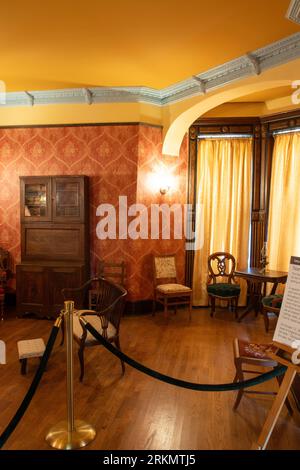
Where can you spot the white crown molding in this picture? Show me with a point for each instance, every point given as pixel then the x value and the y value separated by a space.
pixel 293 13
pixel 254 62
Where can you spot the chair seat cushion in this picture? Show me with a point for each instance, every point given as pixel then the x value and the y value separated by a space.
pixel 31 348
pixel 255 351
pixel 274 301
pixel 173 289
pixel 224 290
pixel 95 321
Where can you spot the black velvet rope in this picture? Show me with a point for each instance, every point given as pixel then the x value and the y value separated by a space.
pixel 276 372
pixel 32 389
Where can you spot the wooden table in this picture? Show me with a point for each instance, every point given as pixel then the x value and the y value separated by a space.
pixel 256 280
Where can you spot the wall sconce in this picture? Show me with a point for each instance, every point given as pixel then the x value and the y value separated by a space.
pixel 164 189
pixel 161 180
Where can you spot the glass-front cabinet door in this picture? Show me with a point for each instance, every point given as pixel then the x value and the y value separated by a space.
pixel 35 199
pixel 68 199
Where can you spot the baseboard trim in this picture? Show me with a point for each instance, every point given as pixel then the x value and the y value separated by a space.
pixel 139 307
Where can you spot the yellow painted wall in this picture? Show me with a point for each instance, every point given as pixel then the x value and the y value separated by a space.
pixel 80 113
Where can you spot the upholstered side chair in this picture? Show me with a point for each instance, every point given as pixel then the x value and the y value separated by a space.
pixel 221 283
pixel 167 290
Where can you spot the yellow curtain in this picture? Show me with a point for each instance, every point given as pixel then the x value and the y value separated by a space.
pixel 224 203
pixel 284 213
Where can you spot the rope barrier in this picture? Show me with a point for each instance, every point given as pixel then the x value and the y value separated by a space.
pixel 32 389
pixel 276 372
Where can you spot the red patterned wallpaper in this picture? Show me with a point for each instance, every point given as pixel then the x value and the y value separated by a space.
pixel 118 160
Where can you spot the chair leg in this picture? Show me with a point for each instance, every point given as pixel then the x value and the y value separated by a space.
pixel 81 361
pixel 166 307
pixel 235 307
pixel 287 401
pixel 23 366
pixel 266 320
pixel 238 378
pixel 62 326
pixel 153 307
pixel 213 306
pixel 190 309
pixel 117 343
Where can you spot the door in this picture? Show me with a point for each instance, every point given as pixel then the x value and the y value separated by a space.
pixel 36 199
pixel 68 199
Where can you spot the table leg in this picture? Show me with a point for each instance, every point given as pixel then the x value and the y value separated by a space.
pixel 254 290
pixel 275 285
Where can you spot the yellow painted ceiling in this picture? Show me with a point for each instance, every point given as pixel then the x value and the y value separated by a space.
pixel 60 44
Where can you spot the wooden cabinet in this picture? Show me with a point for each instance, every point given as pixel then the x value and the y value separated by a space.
pixel 54 241
pixel 39 287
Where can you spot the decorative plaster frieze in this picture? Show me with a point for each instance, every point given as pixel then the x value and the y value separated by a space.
pixel 293 13
pixel 262 59
pixel 88 96
pixel 30 97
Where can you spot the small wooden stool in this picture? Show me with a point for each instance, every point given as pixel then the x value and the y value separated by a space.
pixel 30 348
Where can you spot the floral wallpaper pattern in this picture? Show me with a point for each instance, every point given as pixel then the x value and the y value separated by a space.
pixel 118 160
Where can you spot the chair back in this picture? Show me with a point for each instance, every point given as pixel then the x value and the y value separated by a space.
pixel 165 269
pixel 221 267
pixel 115 272
pixel 104 297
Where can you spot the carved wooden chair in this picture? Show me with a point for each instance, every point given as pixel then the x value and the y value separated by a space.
pixel 167 290
pixel 221 283
pixel 109 302
pixel 253 354
pixel 115 272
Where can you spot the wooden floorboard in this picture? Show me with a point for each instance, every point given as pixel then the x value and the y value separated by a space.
pixel 135 411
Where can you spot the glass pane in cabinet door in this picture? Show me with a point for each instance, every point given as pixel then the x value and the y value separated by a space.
pixel 67 199
pixel 35 200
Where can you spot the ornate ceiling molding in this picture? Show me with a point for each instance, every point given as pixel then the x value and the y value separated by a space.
pixel 254 62
pixel 293 13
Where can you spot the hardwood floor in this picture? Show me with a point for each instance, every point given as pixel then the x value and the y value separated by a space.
pixel 135 411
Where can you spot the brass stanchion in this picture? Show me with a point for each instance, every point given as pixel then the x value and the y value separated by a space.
pixel 70 434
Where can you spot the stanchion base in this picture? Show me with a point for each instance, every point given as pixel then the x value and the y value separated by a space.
pixel 60 438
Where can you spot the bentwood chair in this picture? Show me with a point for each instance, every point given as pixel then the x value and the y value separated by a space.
pixel 253 354
pixel 109 302
pixel 271 306
pixel 167 290
pixel 221 283
pixel 111 271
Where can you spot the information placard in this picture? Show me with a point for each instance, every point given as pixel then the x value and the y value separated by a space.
pixel 288 325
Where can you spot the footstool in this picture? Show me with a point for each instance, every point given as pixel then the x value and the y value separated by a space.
pixel 30 348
